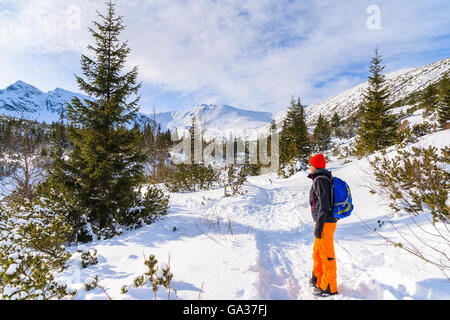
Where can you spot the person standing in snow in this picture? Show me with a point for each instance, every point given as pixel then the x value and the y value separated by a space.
pixel 324 277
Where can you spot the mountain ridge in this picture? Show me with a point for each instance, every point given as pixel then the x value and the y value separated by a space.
pixel 401 83
pixel 24 100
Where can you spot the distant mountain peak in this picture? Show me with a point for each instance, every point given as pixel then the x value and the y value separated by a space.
pixel 25 100
pixel 218 120
pixel 20 85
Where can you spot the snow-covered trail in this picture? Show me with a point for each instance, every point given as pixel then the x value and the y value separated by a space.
pixel 271 214
pixel 259 246
pixel 278 213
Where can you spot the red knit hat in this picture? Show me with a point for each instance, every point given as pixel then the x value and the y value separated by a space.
pixel 318 161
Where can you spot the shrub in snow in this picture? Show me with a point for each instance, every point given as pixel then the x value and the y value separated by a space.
pixel 154 277
pixel 235 179
pixel 152 205
pixel 92 283
pixel 415 179
pixel 291 168
pixel 32 251
pixel 188 178
pixel 88 257
pixel 75 215
pixel 410 134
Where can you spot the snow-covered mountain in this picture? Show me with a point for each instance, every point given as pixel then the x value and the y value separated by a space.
pixel 22 100
pixel 217 120
pixel 401 83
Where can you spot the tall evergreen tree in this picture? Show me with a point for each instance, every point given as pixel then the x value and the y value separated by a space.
pixel 336 125
pixel 444 102
pixel 322 134
pixel 105 166
pixel 294 139
pixel 377 126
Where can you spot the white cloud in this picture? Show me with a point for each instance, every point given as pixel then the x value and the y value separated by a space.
pixel 253 54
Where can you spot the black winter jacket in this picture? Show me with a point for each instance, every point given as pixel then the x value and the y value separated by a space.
pixel 320 200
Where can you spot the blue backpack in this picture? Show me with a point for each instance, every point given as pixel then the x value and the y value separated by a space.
pixel 342 198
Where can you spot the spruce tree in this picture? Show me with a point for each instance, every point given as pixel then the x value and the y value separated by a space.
pixel 377 126
pixel 322 134
pixel 444 102
pixel 336 125
pixel 105 166
pixel 294 138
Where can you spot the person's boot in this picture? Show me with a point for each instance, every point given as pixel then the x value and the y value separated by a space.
pixel 318 292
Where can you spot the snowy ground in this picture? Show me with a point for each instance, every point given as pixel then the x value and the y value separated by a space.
pixel 259 246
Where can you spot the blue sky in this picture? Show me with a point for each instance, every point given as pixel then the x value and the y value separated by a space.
pixel 252 54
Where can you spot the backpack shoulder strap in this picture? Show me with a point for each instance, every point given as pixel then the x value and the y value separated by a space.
pixel 318 177
pixel 331 184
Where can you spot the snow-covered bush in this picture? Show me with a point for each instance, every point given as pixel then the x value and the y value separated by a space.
pixel 81 230
pixel 235 179
pixel 291 168
pixel 92 283
pixel 153 204
pixel 88 257
pixel 154 277
pixel 410 134
pixel 32 251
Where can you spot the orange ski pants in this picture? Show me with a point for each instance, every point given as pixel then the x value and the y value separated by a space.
pixel 325 260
